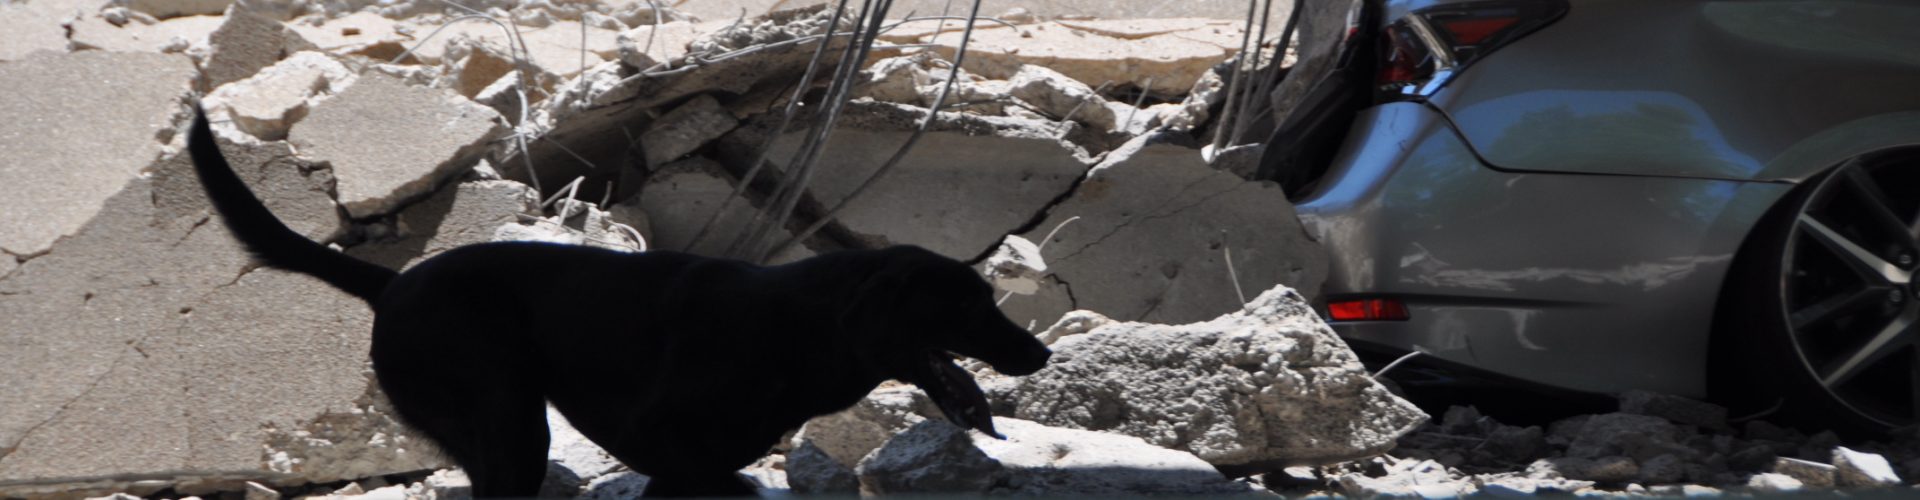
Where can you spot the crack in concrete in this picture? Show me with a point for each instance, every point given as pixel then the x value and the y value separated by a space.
pixel 1148 213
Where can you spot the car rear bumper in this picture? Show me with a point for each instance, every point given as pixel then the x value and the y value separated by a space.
pixel 1588 282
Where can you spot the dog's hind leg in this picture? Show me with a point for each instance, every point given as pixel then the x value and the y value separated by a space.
pixel 491 419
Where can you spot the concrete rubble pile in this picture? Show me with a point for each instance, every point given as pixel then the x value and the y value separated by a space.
pixel 145 355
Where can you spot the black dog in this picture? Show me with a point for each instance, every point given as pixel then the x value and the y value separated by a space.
pixel 685 368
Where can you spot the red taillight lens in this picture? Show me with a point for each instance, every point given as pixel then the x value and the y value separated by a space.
pixel 1474 31
pixel 1367 310
pixel 1424 48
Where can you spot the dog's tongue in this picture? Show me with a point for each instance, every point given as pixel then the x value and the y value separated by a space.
pixel 954 390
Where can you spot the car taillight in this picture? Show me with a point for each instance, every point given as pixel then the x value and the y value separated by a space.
pixel 1421 51
pixel 1367 310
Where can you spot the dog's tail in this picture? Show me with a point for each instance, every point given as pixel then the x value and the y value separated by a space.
pixel 269 240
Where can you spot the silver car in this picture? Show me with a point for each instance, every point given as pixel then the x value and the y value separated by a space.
pixel 1704 198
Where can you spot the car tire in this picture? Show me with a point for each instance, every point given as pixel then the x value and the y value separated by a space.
pixel 1819 323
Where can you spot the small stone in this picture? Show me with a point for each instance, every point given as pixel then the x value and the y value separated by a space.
pixel 615 486
pixel 1768 482
pixel 1813 474
pixel 1460 420
pixel 1818 446
pixel 351 489
pixel 930 457
pixel 1698 491
pixel 1517 444
pixel 1857 469
pixel 1016 266
pixel 449 483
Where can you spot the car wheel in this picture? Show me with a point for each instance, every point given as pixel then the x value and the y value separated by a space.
pixel 1820 320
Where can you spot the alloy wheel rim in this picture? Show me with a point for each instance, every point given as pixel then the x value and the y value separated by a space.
pixel 1852 311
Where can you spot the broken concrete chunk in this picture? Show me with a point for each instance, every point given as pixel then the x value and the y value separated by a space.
pixel 1135 29
pixel 646 47
pixel 682 196
pixel 1156 225
pixel 554 49
pixel 1812 474
pixel 1061 97
pixel 967 182
pixel 458 215
pixel 938 457
pixel 848 435
pixel 1016 266
pixel 1773 483
pixel 268 103
pixel 471 65
pixel 896 79
pixel 1074 323
pixel 1857 469
pixel 1166 65
pixel 581 223
pixel 504 96
pixel 80 148
pixel 246 42
pixel 811 472
pixel 93 32
pixel 352 33
pixel 1268 385
pixel 424 136
pixel 685 129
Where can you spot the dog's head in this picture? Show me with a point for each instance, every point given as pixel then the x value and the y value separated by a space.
pixel 920 308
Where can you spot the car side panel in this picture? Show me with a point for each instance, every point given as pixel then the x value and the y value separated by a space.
pixel 1590 282
pixel 1722 90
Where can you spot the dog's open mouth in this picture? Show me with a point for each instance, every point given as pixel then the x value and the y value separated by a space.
pixel 958 396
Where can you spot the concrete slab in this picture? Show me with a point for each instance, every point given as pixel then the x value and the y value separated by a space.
pixel 423 137
pixel 89 121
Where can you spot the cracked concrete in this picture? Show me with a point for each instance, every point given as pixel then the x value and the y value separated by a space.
pixel 152 299
pixel 79 148
pixel 969 180
pixel 1150 245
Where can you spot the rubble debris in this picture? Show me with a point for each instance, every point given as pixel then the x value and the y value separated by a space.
pixel 812 472
pixel 1812 474
pixel 264 106
pixel 1268 385
pixel 1675 409
pixel 1856 469
pixel 458 215
pixel 646 47
pixel 244 43
pixel 1409 478
pixel 1155 226
pixel 1768 482
pixel 356 33
pixel 1166 64
pixel 1074 323
pixel 680 197
pixel 95 32
pixel 80 149
pixel 553 49
pixel 425 136
pixel 1016 266
pixel 967 182
pixel 1060 96
pixel 937 457
pixel 1638 436
pixel 686 128
pixel 580 223
pixel 616 486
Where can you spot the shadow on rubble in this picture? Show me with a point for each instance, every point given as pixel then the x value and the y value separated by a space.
pixel 1435 385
